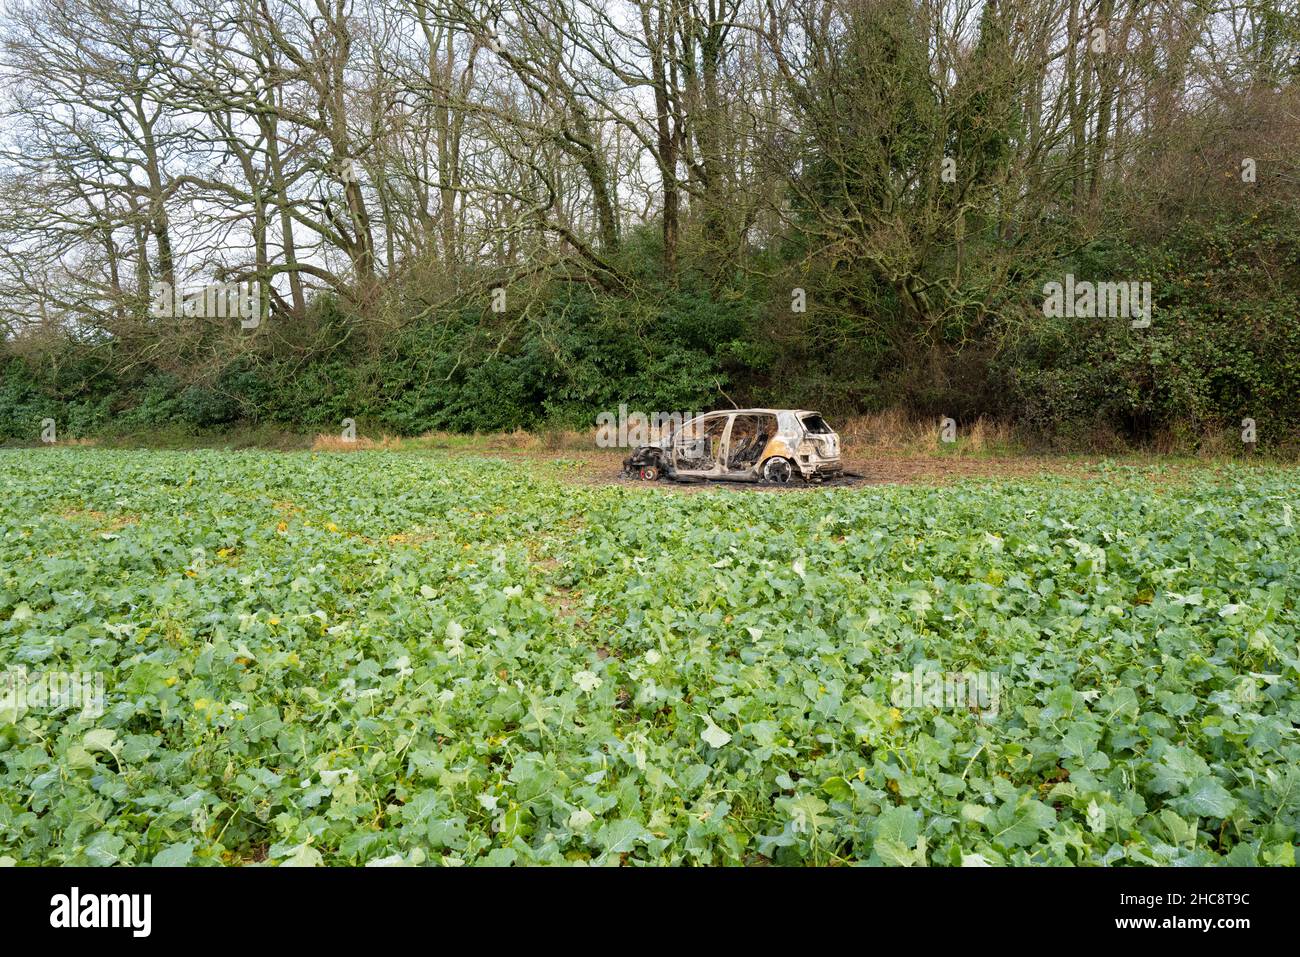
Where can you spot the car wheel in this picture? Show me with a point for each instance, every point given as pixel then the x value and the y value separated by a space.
pixel 778 471
pixel 650 473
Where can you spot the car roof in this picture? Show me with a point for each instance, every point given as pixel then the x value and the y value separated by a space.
pixel 759 412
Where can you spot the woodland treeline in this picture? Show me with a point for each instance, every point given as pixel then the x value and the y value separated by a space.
pixel 473 215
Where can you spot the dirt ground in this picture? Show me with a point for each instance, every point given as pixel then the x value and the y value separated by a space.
pixel 887 471
pixel 602 467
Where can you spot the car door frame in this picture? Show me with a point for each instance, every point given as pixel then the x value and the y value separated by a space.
pixel 749 473
pixel 724 442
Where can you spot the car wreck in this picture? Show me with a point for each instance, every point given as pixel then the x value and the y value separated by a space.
pixel 772 446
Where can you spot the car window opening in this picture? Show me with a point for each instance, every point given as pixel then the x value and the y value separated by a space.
pixel 749 437
pixel 816 425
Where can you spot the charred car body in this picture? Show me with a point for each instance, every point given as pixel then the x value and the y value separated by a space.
pixel 774 446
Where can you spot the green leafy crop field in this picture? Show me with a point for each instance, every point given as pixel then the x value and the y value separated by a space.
pixel 411 658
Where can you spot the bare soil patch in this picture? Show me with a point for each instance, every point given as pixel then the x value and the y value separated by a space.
pixel 874 466
pixel 605 467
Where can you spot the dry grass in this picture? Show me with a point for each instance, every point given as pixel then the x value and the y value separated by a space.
pixel 103 520
pixel 890 432
pixel 329 442
pixel 548 440
pixel 1210 443
pixel 894 431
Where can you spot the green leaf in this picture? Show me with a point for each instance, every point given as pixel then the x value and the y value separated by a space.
pixel 1207 798
pixel 304 855
pixel 1019 824
pixel 837 788
pixel 713 735
pixel 175 855
pixel 99 739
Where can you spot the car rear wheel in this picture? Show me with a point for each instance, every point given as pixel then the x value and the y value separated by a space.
pixel 649 473
pixel 778 471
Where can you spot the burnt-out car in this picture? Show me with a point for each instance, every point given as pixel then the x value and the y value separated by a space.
pixel 774 446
